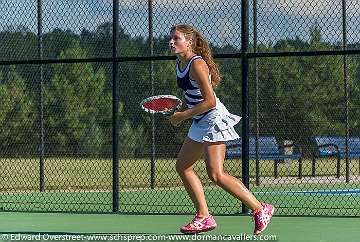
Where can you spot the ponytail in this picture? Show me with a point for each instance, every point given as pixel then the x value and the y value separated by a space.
pixel 201 47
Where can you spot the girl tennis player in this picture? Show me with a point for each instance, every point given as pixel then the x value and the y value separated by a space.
pixel 212 125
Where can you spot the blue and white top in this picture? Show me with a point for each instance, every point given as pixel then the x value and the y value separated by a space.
pixel 190 87
pixel 215 119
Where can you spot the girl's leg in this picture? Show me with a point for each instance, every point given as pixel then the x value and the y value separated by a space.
pixel 214 156
pixel 190 152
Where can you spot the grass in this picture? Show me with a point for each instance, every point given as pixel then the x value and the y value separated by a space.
pixel 78 184
pixel 96 174
pixel 175 201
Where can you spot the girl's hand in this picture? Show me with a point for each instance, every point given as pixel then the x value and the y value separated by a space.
pixel 176 119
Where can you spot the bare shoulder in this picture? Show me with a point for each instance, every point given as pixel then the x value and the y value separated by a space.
pixel 199 62
pixel 199 67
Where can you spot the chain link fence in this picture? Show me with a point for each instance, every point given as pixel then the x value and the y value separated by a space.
pixel 71 121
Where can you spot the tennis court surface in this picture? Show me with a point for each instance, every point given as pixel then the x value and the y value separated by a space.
pixel 18 226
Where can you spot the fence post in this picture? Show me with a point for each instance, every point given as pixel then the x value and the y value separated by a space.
pixel 346 88
pixel 151 70
pixel 257 162
pixel 245 94
pixel 115 108
pixel 41 96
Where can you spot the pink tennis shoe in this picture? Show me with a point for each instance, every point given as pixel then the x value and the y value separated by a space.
pixel 262 217
pixel 198 225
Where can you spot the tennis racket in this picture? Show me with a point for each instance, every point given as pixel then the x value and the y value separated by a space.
pixel 163 104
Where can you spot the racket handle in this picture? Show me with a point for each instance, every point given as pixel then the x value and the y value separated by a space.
pixel 170 112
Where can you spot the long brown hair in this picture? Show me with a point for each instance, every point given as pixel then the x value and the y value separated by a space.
pixel 201 47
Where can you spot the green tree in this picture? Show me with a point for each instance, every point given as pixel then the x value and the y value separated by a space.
pixel 17 115
pixel 303 96
pixel 79 108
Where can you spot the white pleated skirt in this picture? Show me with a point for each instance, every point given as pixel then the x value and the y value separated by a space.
pixel 216 126
pixel 200 136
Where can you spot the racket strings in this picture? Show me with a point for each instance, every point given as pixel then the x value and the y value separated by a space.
pixel 161 104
